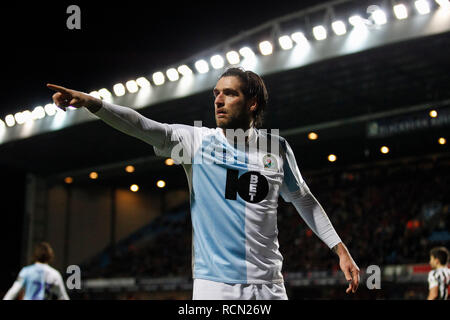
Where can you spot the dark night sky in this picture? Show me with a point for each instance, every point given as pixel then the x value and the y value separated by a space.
pixel 118 41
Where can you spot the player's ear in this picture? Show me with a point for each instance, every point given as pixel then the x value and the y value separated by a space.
pixel 252 105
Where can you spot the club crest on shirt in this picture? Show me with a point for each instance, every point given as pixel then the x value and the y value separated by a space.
pixel 270 162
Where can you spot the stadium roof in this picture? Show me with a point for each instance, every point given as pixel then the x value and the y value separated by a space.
pixel 338 89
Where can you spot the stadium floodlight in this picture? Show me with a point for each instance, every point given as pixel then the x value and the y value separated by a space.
pixel 400 11
pixel 158 77
pixel 266 48
pixel 285 42
pixel 339 27
pixel 246 52
pixel 202 66
pixel 38 113
pixel 185 70
pixel 143 82
pixel 104 93
pixel 320 33
pixel 172 75
pixel 95 94
pixel 19 118
pixel 50 109
pixel 379 17
pixel 444 4
pixel 119 89
pixel 233 57
pixel 10 120
pixel 27 116
pixel 422 6
pixel 356 21
pixel 132 86
pixel 299 38
pixel 217 61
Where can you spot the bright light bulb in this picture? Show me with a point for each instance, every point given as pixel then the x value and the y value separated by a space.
pixel 95 94
pixel 202 66
pixel 265 48
pixel 93 175
pixel 246 52
pixel 217 61
pixel 38 113
pixel 132 86
pixel 356 21
pixel 134 187
pixel 233 57
pixel 184 70
pixel 433 113
pixel 172 74
pixel 442 141
pixel 119 89
pixel 129 169
pixel 299 38
pixel 379 17
pixel 332 158
pixel 422 6
pixel 285 42
pixel 444 4
pixel 400 11
pixel 169 162
pixel 339 28
pixel 320 33
pixel 384 150
pixel 161 184
pixel 312 136
pixel 50 109
pixel 104 93
pixel 143 82
pixel 10 120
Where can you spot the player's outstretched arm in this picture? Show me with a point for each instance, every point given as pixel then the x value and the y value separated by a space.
pixel 14 290
pixel 348 267
pixel 121 118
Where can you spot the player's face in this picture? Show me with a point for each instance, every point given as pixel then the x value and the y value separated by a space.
pixel 433 263
pixel 231 108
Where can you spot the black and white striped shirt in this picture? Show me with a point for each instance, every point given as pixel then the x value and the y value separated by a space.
pixel 440 277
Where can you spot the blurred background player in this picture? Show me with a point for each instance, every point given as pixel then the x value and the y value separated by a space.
pixel 40 281
pixel 439 277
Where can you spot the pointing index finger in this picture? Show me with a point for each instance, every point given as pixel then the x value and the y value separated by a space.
pixel 57 88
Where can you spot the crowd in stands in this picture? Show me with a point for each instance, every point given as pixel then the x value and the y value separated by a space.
pixel 385 214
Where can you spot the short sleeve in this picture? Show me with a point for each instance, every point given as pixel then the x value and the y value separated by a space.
pixel 432 281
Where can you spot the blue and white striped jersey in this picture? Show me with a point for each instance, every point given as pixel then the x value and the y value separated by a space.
pixel 234 191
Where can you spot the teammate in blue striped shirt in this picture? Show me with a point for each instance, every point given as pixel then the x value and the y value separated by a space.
pixel 236 173
pixel 439 277
pixel 40 281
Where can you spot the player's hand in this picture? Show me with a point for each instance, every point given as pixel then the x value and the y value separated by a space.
pixel 64 98
pixel 351 272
